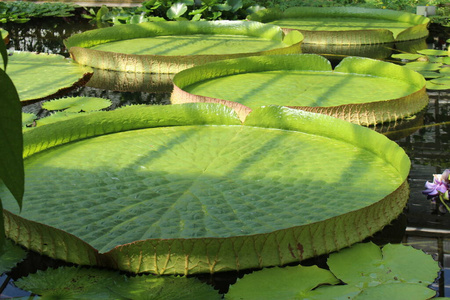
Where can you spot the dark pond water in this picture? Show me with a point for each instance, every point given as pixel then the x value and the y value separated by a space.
pixel 427 142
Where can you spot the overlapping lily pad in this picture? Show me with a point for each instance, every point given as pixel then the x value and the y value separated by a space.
pixel 168 47
pixel 359 90
pixel 43 76
pixel 347 25
pixel 185 189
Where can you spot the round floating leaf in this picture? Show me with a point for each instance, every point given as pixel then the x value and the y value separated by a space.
pixel 40 76
pixel 444 70
pixel 407 56
pixel 198 191
pixel 396 291
pixel 347 25
pixel 365 265
pixel 57 117
pixel 433 52
pixel 10 255
pixel 423 66
pixel 28 118
pixel 77 104
pixel 168 47
pixel 430 74
pixel 280 283
pixel 313 85
pixel 83 283
pixel 442 80
pixel 437 87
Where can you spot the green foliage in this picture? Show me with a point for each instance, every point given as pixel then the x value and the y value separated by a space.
pixel 11 255
pixel 11 141
pixel 395 272
pixel 22 11
pixel 84 283
pixel 77 104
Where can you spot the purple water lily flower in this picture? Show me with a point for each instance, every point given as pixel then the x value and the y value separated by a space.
pixel 439 185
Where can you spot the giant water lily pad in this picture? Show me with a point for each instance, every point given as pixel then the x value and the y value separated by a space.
pixel 168 47
pixel 359 90
pixel 190 189
pixel 347 25
pixel 42 76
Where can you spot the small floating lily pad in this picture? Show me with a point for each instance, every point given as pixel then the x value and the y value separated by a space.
pixel 347 25
pixel 41 76
pixel 435 52
pixel 10 255
pixel 360 90
pixel 407 56
pixel 77 104
pixel 423 66
pixel 84 283
pixel 168 47
pixel 366 271
pixel 28 118
pixel 184 189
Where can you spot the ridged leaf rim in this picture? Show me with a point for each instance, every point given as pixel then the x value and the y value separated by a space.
pixel 79 44
pixel 363 114
pixel 417 30
pixel 189 256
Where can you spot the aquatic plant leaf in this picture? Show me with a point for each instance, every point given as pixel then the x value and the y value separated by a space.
pixel 77 104
pixel 189 197
pixel 28 118
pixel 430 74
pixel 396 291
pixel 41 76
pixel 56 117
pixel 444 70
pixel 437 87
pixel 423 66
pixel 442 80
pixel 90 283
pixel 407 56
pixel 433 52
pixel 347 25
pixel 313 86
pixel 150 287
pixel 280 283
pixel 71 283
pixel 10 255
pixel 176 45
pixel 365 265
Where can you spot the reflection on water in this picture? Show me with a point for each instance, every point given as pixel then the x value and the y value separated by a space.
pixel 425 138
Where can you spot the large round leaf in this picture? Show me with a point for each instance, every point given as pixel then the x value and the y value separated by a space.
pixel 360 90
pixel 41 76
pixel 168 47
pixel 347 25
pixel 189 189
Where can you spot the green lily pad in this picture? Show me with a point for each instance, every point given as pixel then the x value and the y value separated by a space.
pixel 444 70
pixel 57 117
pixel 434 52
pixel 312 84
pixel 442 80
pixel 280 283
pixel 437 87
pixel 84 283
pixel 430 74
pixel 41 76
pixel 367 273
pixel 77 104
pixel 423 66
pixel 168 47
pixel 407 56
pixel 10 255
pixel 28 118
pixel 347 25
pixel 184 189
